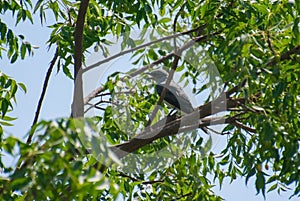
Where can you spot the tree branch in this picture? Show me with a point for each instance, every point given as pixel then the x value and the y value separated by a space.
pixel 42 96
pixel 285 56
pixel 142 46
pixel 243 126
pixel 144 68
pixel 174 126
pixel 77 105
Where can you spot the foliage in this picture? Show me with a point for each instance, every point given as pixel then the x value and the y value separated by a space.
pixel 8 37
pixel 255 47
pixel 50 165
pixel 8 90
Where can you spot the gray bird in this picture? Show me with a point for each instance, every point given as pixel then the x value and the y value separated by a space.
pixel 175 95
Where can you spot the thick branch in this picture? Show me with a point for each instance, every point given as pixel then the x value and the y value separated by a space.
pixel 79 36
pixel 186 123
pixel 174 126
pixel 77 105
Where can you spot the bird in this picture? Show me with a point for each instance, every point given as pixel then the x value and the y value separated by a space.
pixel 175 95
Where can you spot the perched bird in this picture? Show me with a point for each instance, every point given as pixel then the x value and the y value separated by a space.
pixel 175 95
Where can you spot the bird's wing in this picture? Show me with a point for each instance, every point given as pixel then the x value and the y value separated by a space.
pixel 177 97
pixel 170 97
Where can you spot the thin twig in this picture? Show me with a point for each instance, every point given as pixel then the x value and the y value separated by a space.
pixel 115 93
pixel 270 43
pixel 185 195
pixel 42 96
pixel 96 105
pixel 243 126
pixel 162 59
pixel 100 108
pixel 141 46
pixel 164 91
pixel 175 24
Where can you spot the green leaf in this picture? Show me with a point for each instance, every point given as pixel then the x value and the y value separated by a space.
pixel 207 145
pixel 67 72
pixel 14 58
pixel 28 15
pixel 261 8
pixel 179 68
pixel 4 106
pixel 23 51
pixel 164 20
pixel 21 36
pixel 23 87
pixel 7 118
pixel 8 83
pixel 225 160
pixel 4 123
pixel 260 183
pixel 250 174
pixel 19 183
pixel 273 187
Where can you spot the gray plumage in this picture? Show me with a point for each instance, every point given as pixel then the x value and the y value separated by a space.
pixel 175 95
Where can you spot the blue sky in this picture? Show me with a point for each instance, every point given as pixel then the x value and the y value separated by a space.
pixel 58 99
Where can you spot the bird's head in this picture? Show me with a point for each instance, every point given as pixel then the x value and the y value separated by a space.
pixel 159 75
